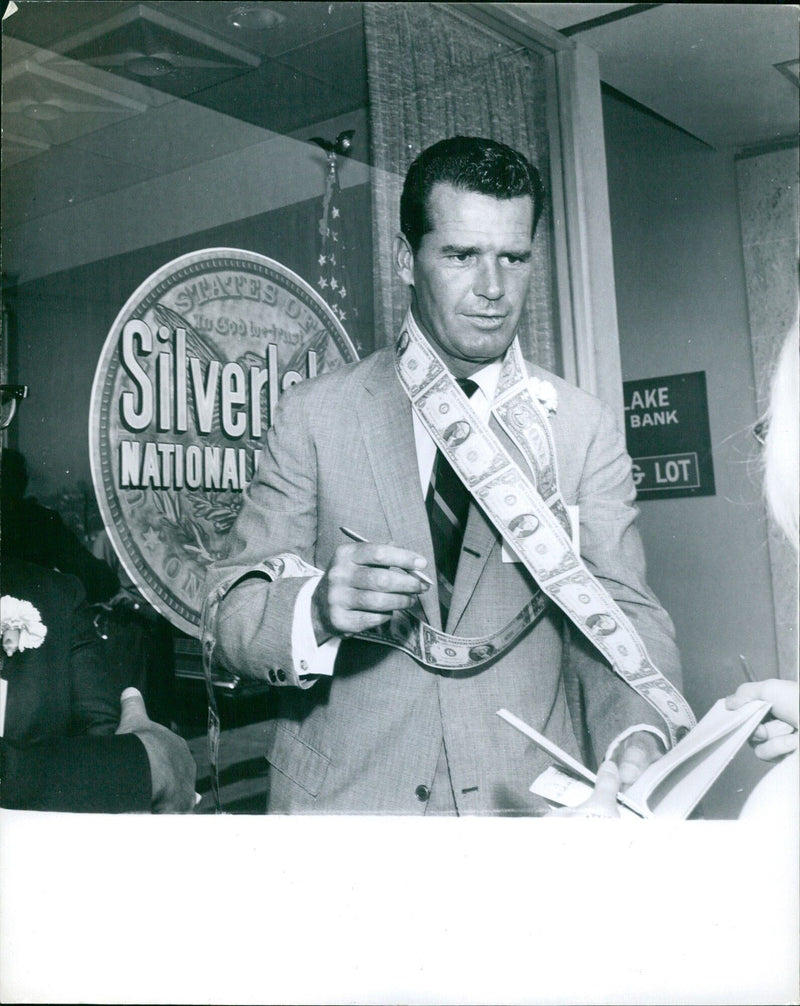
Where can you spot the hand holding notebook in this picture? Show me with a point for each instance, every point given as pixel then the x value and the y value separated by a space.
pixel 674 784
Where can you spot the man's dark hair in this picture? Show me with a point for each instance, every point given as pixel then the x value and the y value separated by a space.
pixel 470 163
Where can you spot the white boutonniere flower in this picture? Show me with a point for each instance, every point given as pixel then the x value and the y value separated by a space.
pixel 21 625
pixel 545 392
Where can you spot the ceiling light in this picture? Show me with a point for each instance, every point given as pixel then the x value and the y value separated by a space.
pixel 43 111
pixel 150 66
pixel 254 17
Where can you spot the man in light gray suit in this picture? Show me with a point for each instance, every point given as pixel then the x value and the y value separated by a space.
pixel 363 723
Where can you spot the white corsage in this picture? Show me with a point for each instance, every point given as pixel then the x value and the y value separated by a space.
pixel 545 392
pixel 21 625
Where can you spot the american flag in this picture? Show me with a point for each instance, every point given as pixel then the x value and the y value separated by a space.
pixel 333 280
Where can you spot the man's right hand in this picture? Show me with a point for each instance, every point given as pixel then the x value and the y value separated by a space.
pixel 172 767
pixel 362 586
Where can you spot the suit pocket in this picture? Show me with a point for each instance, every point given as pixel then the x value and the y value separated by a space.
pixel 299 762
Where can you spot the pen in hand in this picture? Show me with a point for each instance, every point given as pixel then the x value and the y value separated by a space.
pixel 746 668
pixel 353 536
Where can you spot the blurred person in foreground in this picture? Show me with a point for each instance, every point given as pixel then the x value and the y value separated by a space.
pixel 776 738
pixel 67 742
pixel 58 684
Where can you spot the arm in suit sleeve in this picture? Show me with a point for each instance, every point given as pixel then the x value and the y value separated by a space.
pixel 101 775
pixel 95 698
pixel 612 550
pixel 253 623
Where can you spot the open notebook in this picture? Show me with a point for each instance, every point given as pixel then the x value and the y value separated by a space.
pixel 672 786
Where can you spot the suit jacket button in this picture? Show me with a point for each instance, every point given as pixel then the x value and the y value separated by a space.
pixel 281 674
pixel 423 793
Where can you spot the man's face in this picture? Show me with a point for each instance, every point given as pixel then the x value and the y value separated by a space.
pixel 471 274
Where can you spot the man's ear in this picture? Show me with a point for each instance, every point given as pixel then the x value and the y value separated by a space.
pixel 404 259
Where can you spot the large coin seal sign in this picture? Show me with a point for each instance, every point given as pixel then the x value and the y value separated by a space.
pixel 185 390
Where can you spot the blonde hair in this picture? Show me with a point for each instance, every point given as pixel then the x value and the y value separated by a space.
pixel 781 449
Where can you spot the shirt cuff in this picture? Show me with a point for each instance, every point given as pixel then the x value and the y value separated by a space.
pixel 639 727
pixel 310 661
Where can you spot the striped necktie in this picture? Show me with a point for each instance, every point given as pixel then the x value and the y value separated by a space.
pixel 447 503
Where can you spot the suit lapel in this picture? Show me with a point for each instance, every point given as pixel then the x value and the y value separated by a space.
pixel 384 414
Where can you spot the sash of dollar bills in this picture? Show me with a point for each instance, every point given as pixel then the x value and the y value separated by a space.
pixel 535 523
pixel 529 513
pixel 458 655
